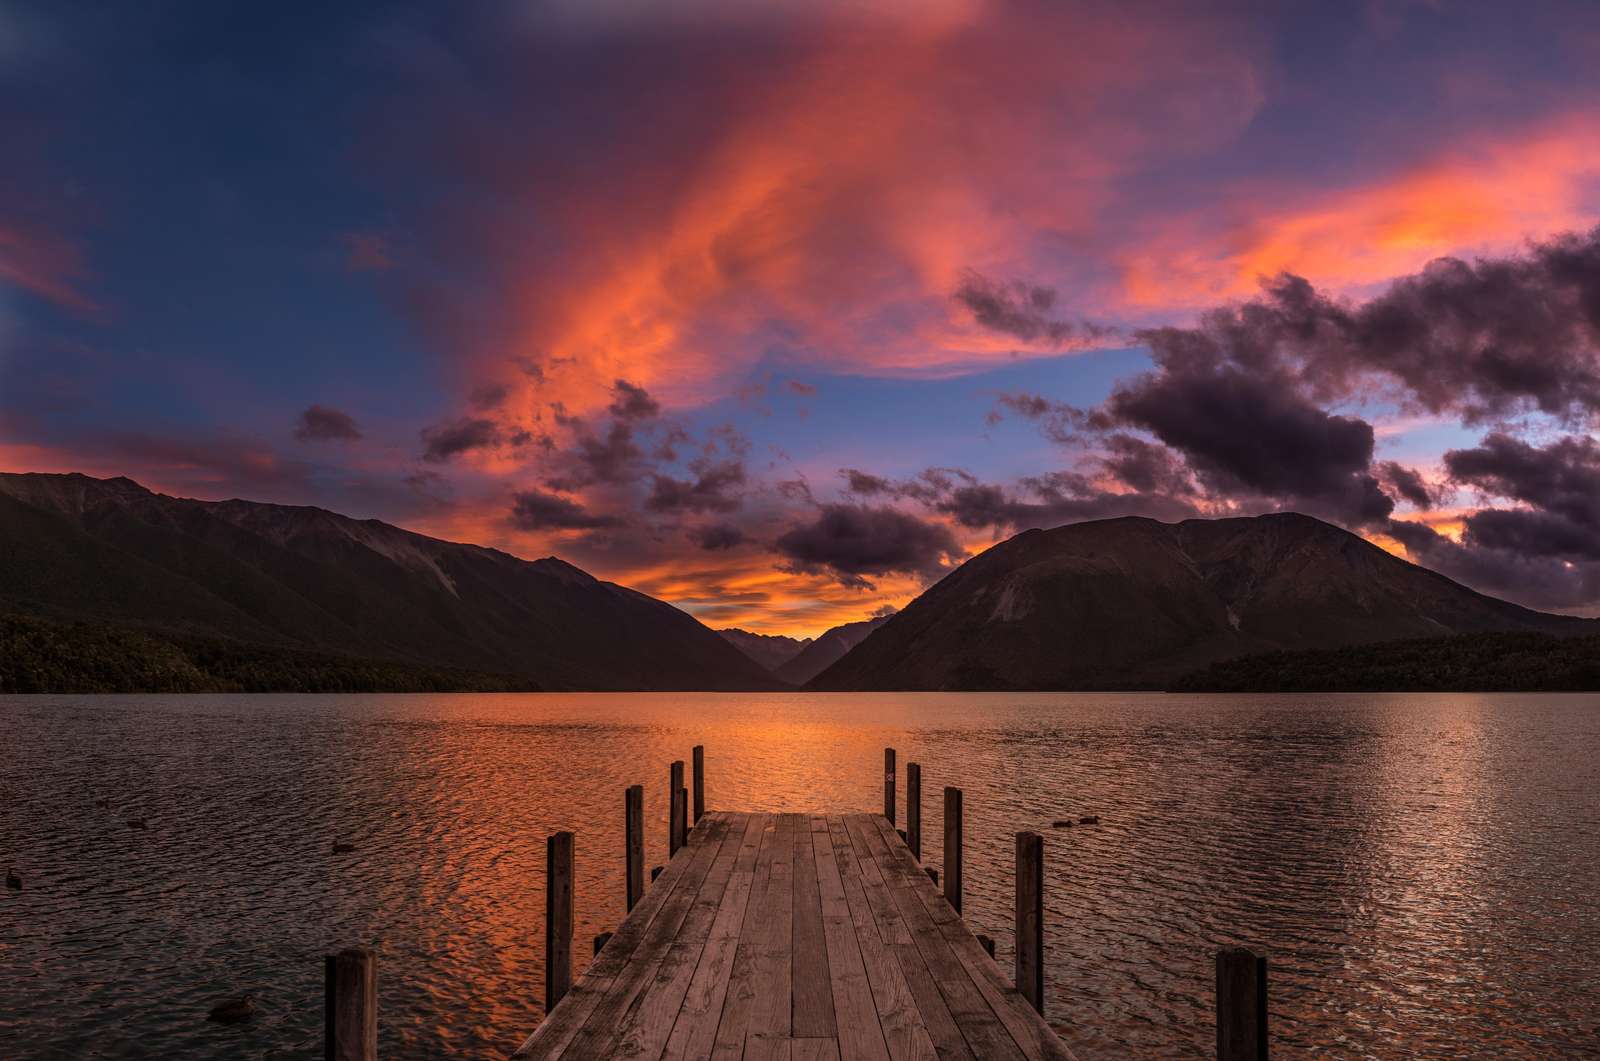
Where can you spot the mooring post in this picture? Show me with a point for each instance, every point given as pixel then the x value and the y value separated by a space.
pixel 633 843
pixel 557 918
pixel 952 847
pixel 914 809
pixel 350 1005
pixel 1030 918
pixel 888 784
pixel 675 829
pixel 699 782
pixel 1241 1005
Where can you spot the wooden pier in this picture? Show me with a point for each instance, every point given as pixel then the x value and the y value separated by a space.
pixel 795 937
pixel 792 936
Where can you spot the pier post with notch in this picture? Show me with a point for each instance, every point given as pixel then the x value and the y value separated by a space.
pixel 675 817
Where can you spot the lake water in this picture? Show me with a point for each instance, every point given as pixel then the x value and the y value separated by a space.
pixel 1422 870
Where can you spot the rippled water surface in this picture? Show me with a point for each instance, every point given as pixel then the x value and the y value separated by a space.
pixel 1423 870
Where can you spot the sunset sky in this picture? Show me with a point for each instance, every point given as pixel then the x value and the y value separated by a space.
pixel 778 310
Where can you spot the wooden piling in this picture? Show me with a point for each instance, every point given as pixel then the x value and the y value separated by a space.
pixel 675 829
pixel 350 1006
pixel 952 847
pixel 1030 919
pixel 1241 1005
pixel 680 818
pixel 699 782
pixel 914 809
pixel 557 918
pixel 888 784
pixel 633 843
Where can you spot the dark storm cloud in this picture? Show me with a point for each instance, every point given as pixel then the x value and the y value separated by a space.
pixel 444 441
pixel 1249 433
pixel 717 537
pixel 1146 467
pixel 865 483
pixel 1021 310
pixel 1533 580
pixel 1563 477
pixel 632 402
pixel 1483 339
pixel 538 510
pixel 488 396
pixel 1051 501
pixel 1408 484
pixel 716 487
pixel 614 458
pixel 321 423
pixel 1560 484
pixel 855 543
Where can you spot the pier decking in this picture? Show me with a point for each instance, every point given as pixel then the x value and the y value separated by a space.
pixel 798 938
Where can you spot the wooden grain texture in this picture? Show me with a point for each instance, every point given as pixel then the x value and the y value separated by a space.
pixel 699 761
pixel 557 918
pixel 633 843
pixel 351 1006
pixel 1241 1005
pixel 797 938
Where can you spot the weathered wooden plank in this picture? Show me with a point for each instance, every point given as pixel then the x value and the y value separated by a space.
pixel 979 1025
pixel 891 926
pixel 774 972
pixel 740 998
pixel 814 1050
pixel 904 1033
pixel 1027 1029
pixel 558 1028
pixel 813 998
pixel 695 1031
pixel 860 1029
pixel 651 1020
pixel 605 1026
pixel 934 1011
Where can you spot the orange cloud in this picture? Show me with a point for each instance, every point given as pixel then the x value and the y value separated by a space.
pixel 1484 196
pixel 828 208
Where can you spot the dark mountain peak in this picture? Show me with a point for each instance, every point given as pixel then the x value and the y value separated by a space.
pixel 770 650
pixel 827 649
pixel 305 578
pixel 1133 602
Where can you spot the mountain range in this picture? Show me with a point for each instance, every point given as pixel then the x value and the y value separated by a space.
pixel 1135 603
pixel 110 551
pixel 240 594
